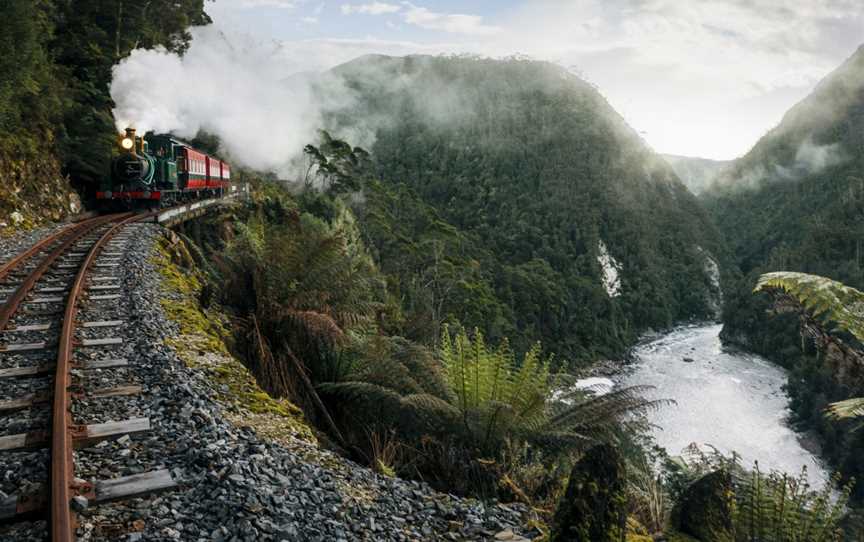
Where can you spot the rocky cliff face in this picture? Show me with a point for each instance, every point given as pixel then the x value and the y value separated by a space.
pixel 33 190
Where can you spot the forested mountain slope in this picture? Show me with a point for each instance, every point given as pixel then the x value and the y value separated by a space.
pixel 794 202
pixel 575 232
pixel 55 108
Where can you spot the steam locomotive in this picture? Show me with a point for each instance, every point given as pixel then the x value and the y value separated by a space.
pixel 159 170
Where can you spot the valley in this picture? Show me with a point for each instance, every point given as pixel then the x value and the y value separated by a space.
pixel 424 287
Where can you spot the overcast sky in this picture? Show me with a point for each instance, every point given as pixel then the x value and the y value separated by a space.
pixel 695 77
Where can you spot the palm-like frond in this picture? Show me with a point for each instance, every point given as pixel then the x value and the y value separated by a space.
pixel 836 305
pixel 494 393
pixel 410 414
pixel 317 325
pixel 850 408
pixel 591 415
pixel 832 302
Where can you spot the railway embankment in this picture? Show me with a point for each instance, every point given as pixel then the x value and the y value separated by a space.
pixel 247 467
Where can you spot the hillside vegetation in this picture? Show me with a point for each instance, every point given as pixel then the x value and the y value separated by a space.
pixel 697 174
pixel 795 202
pixel 56 125
pixel 568 228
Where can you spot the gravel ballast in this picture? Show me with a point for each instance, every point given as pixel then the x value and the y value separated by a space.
pixel 234 485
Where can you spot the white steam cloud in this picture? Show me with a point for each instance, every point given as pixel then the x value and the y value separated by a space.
pixel 243 93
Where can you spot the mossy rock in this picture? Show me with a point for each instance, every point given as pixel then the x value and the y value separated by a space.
pixel 33 190
pixel 594 507
pixel 705 509
pixel 202 345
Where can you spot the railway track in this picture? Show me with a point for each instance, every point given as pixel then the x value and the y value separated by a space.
pixel 56 298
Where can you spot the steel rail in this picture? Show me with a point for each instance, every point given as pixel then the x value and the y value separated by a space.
pixel 10 266
pixel 62 475
pixel 8 309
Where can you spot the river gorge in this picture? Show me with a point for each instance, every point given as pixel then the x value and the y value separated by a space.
pixel 728 399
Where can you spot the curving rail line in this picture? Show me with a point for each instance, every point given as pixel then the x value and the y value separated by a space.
pixel 65 435
pixel 62 428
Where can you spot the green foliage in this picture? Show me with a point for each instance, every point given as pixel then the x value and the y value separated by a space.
pixel 835 304
pixel 90 38
pixel 57 63
pixel 318 321
pixel 705 509
pixel 494 394
pixel 340 167
pixel 778 507
pixel 500 398
pixel 532 167
pixel 781 212
pixel 432 267
pixel 28 89
pixel 301 287
pixel 766 507
pixel 594 507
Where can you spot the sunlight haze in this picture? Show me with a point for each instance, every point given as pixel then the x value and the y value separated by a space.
pixel 700 78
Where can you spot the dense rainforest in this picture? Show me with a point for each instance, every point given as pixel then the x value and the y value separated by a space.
pixel 794 203
pixel 424 299
pixel 575 232
pixel 55 109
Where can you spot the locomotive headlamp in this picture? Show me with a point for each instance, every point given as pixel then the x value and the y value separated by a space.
pixel 127 143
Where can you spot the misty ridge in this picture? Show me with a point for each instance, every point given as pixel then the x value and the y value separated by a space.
pixel 819 133
pixel 265 113
pixel 810 159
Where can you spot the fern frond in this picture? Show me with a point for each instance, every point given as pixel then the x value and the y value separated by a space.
pixel 317 325
pixel 423 402
pixel 832 302
pixel 360 391
pixel 850 408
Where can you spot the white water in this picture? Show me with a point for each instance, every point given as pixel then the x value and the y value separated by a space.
pixel 731 400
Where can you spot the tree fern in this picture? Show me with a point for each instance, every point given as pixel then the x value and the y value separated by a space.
pixel 498 397
pixel 836 305
pixel 593 417
pixel 494 394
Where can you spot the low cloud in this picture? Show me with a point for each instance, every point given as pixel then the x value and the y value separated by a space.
pixel 375 8
pixel 283 4
pixel 813 158
pixel 810 159
pixel 701 80
pixel 455 23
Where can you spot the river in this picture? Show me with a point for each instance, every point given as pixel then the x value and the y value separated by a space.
pixel 728 399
